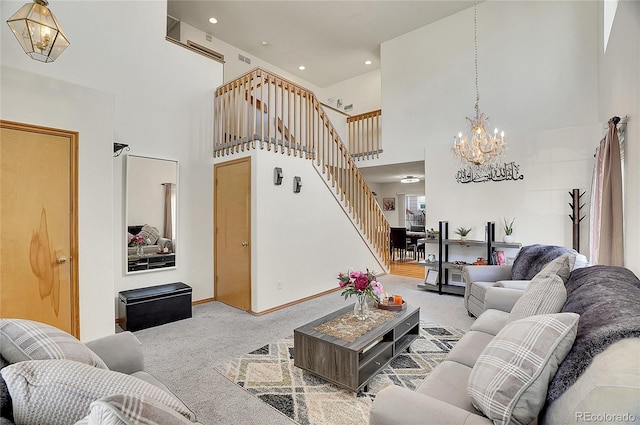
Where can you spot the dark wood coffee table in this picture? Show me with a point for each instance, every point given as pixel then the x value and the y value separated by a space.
pixel 352 364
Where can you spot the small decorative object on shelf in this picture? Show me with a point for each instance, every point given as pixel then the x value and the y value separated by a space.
pixel 432 277
pixel 508 231
pixel 432 234
pixel 365 286
pixel 463 232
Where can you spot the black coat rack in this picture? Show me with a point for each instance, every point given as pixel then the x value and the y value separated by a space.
pixel 575 216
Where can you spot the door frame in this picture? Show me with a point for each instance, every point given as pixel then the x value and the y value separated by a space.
pixel 73 207
pixel 215 226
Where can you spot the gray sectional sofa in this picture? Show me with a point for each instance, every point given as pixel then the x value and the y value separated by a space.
pixel 506 371
pixel 49 377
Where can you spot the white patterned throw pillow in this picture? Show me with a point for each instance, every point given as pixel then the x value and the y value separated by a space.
pixel 509 380
pixel 546 293
pixel 127 409
pixel 60 392
pixel 149 233
pixel 22 340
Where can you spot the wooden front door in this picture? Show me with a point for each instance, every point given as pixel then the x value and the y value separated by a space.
pixel 38 225
pixel 232 234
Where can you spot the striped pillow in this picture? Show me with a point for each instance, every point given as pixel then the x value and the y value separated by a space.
pixel 60 392
pixel 22 340
pixel 509 380
pixel 546 293
pixel 149 233
pixel 130 409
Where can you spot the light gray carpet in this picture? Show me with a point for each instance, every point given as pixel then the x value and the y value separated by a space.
pixel 269 373
pixel 183 354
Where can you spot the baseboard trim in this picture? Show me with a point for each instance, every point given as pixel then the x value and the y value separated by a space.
pixel 203 301
pixel 271 310
pixel 280 307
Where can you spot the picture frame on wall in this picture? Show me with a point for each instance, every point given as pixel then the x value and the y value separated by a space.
pixel 388 204
pixel 432 277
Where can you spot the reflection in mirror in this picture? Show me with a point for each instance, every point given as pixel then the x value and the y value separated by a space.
pixel 151 213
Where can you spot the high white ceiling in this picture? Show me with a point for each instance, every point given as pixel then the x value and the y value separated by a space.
pixel 332 39
pixel 392 173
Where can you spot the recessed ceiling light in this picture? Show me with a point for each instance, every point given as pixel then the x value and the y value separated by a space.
pixel 265 43
pixel 213 20
pixel 301 68
pixel 367 62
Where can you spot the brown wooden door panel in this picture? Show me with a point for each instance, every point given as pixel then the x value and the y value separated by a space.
pixel 37 225
pixel 232 237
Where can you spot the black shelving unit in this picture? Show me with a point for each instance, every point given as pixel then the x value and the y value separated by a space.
pixel 443 264
pixel 494 245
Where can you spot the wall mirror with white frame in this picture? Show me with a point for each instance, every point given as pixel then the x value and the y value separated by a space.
pixel 150 214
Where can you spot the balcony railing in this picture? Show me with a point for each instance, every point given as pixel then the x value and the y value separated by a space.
pixel 262 110
pixel 364 135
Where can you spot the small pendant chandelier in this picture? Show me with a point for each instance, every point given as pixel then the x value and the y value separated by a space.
pixel 38 31
pixel 478 146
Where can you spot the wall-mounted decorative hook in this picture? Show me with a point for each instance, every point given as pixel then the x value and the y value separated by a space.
pixel 118 148
pixel 277 176
pixel 297 184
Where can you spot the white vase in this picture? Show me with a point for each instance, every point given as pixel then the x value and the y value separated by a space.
pixel 508 239
pixel 361 307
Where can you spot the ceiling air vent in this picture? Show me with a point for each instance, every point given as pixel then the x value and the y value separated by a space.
pixel 206 52
pixel 244 59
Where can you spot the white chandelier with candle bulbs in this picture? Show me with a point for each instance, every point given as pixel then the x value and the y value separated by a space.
pixel 478 146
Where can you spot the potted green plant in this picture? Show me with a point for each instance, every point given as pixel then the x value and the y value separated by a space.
pixel 463 232
pixel 508 231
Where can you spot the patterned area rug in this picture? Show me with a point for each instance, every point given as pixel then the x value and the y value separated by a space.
pixel 269 374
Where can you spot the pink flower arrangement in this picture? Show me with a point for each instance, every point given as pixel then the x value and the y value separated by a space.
pixel 360 284
pixel 137 240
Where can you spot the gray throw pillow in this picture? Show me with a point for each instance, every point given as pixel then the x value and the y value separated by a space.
pixel 546 293
pixel 509 381
pixel 22 340
pixel 130 409
pixel 60 392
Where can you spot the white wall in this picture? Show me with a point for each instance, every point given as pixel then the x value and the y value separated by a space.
pixel 301 239
pixel 162 106
pixel 619 86
pixel 363 91
pixel 538 81
pixel 34 99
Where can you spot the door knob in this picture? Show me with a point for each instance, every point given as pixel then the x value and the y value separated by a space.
pixel 61 260
pixel 245 244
